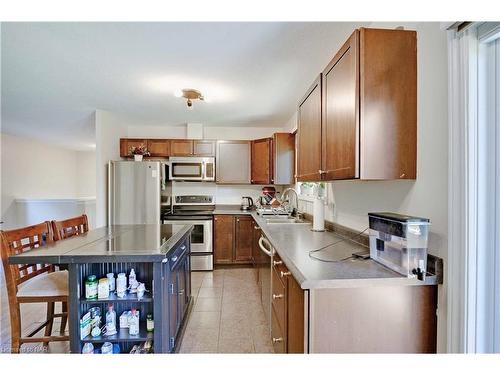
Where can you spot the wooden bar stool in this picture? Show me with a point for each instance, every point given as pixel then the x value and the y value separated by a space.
pixel 32 283
pixel 70 227
pixel 65 229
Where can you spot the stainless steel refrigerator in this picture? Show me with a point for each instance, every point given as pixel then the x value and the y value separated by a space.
pixel 137 191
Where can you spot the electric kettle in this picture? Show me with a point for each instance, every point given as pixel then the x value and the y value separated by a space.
pixel 246 203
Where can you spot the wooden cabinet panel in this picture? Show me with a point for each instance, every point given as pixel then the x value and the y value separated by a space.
pixel 309 135
pixel 243 239
pixel 262 161
pixel 233 162
pixel 283 167
pixel 279 300
pixel 223 239
pixel 126 145
pixel 278 338
pixel 204 148
pixel 295 317
pixel 181 147
pixel 340 120
pixel 388 100
pixel 159 147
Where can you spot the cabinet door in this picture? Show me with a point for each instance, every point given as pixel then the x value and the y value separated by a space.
pixel 233 162
pixel 223 239
pixel 244 239
pixel 126 145
pixel 262 161
pixel 283 158
pixel 159 147
pixel 340 129
pixel 388 100
pixel 173 298
pixel 295 320
pixel 309 135
pixel 181 147
pixel 204 148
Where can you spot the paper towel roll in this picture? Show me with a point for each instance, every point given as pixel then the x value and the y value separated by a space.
pixel 318 215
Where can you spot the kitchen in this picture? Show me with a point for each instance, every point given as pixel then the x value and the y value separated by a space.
pixel 322 228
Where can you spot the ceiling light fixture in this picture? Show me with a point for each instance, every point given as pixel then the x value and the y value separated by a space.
pixel 190 95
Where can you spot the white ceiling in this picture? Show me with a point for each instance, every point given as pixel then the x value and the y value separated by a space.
pixel 54 75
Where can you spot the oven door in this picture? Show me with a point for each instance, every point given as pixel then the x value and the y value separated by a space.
pixel 201 236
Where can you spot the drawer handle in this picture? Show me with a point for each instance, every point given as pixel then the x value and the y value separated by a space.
pixel 277 296
pixel 286 273
pixel 277 262
pixel 279 339
pixel 181 292
pixel 175 258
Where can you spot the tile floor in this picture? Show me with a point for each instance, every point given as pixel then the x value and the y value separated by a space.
pixel 227 316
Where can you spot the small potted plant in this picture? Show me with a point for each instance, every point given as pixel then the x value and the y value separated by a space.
pixel 139 152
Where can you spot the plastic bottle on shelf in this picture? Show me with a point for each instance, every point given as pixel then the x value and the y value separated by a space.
pixel 110 321
pixel 88 348
pixel 132 281
pixel 133 323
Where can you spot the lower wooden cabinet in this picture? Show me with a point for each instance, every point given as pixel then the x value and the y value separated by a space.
pixel 287 320
pixel 233 239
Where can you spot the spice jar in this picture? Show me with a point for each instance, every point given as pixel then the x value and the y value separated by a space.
pixel 91 287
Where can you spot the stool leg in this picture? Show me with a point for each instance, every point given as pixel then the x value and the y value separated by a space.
pixel 64 319
pixel 15 328
pixel 50 318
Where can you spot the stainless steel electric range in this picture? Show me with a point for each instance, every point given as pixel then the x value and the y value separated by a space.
pixel 198 211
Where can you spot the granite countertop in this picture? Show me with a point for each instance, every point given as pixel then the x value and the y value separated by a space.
pixel 117 243
pixel 335 267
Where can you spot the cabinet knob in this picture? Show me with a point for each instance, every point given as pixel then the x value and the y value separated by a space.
pixel 183 247
pixel 320 171
pixel 286 273
pixel 256 227
pixel 215 219
pixel 277 296
pixel 402 175
pixel 175 258
pixel 237 219
pixel 279 339
pixel 277 262
pixel 181 292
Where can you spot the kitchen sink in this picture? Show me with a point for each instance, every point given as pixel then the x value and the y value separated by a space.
pixel 286 220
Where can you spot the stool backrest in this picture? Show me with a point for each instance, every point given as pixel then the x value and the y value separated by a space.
pixel 70 227
pixel 17 241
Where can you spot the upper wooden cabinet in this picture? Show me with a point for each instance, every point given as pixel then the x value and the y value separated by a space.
pixel 126 145
pixel 159 147
pixel 283 158
pixel 233 162
pixel 262 161
pixel 340 119
pixel 181 147
pixel 203 148
pixel 366 126
pixel 309 134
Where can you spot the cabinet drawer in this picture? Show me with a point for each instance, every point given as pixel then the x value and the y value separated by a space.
pixel 278 298
pixel 278 339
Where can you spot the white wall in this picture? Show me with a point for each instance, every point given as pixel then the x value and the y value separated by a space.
pixel 350 201
pixel 33 172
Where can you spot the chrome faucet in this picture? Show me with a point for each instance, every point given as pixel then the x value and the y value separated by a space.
pixel 295 211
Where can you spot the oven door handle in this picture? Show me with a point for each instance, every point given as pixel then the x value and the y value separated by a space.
pixel 262 247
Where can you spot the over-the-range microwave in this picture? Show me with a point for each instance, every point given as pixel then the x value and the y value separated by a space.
pixel 192 169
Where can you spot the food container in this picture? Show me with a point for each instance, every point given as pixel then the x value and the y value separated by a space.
pixel 88 348
pixel 85 325
pixel 399 242
pixel 150 324
pixel 121 285
pixel 124 319
pixel 103 288
pixel 111 281
pixel 91 287
pixel 107 348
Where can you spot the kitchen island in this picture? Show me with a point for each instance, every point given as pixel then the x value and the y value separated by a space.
pixel 159 255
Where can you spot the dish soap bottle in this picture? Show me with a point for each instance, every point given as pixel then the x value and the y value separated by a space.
pixel 110 321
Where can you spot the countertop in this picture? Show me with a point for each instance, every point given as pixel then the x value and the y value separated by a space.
pixel 117 243
pixel 294 243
